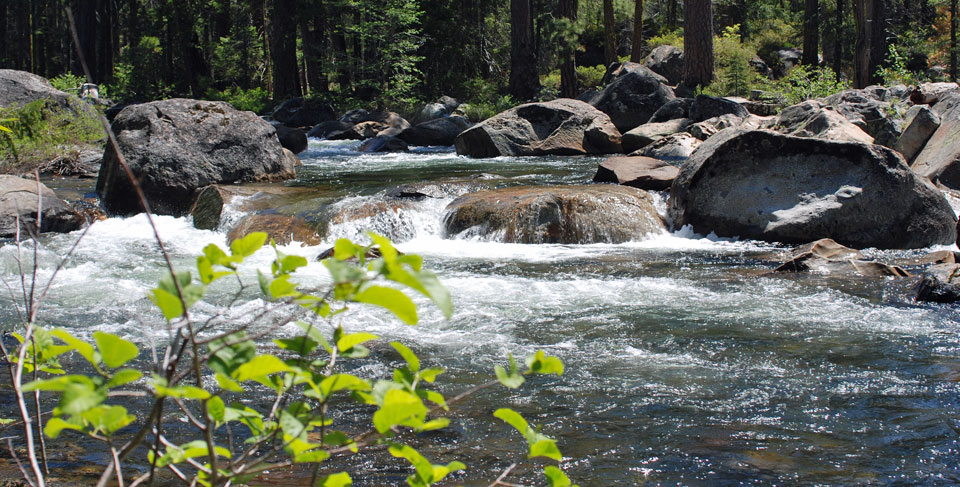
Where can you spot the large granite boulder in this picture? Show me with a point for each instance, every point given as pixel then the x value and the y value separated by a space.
pixel 383 143
pixel 333 129
pixel 767 186
pixel 674 148
pixel 678 108
pixel 633 96
pixel 667 61
pixel 705 107
pixel 18 199
pixel 638 172
pixel 555 214
pixel 18 88
pixel 292 139
pixel 440 131
pixel 940 158
pixel 562 127
pixel 175 147
pixel 921 122
pixel 303 112
pixel 870 110
pixel 812 119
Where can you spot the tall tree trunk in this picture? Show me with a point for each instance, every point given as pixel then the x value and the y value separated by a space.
pixel 672 14
pixel 697 43
pixel 811 33
pixel 283 50
pixel 863 17
pixel 953 40
pixel 568 67
pixel 838 42
pixel 609 33
pixel 133 23
pixel 85 21
pixel 524 83
pixel 879 46
pixel 636 50
pixel 312 53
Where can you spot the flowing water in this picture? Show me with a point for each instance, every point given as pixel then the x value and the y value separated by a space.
pixel 686 364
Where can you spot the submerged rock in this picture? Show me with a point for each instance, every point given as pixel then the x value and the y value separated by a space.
pixel 828 257
pixel 281 228
pixel 555 214
pixel 18 199
pixel 940 284
pixel 561 127
pixel 772 187
pixel 177 146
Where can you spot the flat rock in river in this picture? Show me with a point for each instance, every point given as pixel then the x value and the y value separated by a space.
pixel 555 214
pixel 18 199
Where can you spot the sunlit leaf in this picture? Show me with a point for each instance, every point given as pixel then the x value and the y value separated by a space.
pixel 413 363
pixel 247 246
pixel 556 477
pixel 341 479
pixel 115 351
pixel 395 301
pixel 259 366
pixel 400 408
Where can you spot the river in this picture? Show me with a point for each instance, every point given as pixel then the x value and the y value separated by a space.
pixel 686 363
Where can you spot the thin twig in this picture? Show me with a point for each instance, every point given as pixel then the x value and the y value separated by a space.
pixel 16 459
pixel 502 476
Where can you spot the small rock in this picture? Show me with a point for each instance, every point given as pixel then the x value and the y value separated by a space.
pixel 940 284
pixel 637 171
pixel 828 257
pixel 675 148
pixel 648 133
pixel 18 199
pixel 283 229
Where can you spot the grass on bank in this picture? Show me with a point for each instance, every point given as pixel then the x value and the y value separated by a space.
pixel 42 133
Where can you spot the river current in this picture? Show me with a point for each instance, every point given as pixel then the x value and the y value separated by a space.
pixel 686 363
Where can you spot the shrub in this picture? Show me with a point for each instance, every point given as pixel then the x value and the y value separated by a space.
pixel 774 36
pixel 590 77
pixel 803 83
pixel 216 379
pixel 67 82
pixel 670 38
pixel 256 100
pixel 897 72
pixel 39 132
pixel 733 74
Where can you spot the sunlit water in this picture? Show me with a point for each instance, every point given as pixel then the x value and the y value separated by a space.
pixel 685 363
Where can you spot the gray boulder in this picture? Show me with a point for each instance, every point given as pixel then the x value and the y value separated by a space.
pixel 175 147
pixel 441 131
pixel 939 160
pixel 870 110
pixel 705 106
pixel 767 186
pixel 18 88
pixel 330 130
pixel 562 127
pixel 649 133
pixel 638 172
pixel 18 199
pixel 672 110
pixel 555 214
pixel 303 112
pixel 709 127
pixel 292 139
pixel 383 143
pixel 940 284
pixel 632 97
pixel 921 123
pixel 674 148
pixel 785 60
pixel 812 119
pixel 666 61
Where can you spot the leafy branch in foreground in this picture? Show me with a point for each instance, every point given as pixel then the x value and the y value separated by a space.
pixel 256 409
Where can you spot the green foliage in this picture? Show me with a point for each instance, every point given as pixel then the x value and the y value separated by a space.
pixel 803 83
pixel 36 133
pixel 484 100
pixel 774 35
pixel 733 74
pixel 897 72
pixel 256 100
pixel 68 82
pixel 303 377
pixel 669 38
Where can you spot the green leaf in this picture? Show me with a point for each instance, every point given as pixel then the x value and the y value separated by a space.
pixel 108 419
pixel 435 397
pixel 430 375
pixel 206 272
pixel 290 263
pixel 302 346
pixel 413 363
pixel 114 350
pixel 83 348
pixel 281 287
pixel 344 249
pixel 545 448
pixel 78 397
pixel 513 418
pixel 247 246
pixel 556 477
pixel 400 408
pixel 347 342
pixel 169 304
pixel 434 424
pixel 341 479
pixel 216 256
pixel 339 382
pixel 227 383
pixel 260 366
pixel 511 381
pixel 55 426
pixel 124 377
pixel 539 363
pixel 426 472
pixel 395 301
pixel 217 409
pixel 231 352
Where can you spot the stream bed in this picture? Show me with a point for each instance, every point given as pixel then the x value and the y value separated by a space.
pixel 687 363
